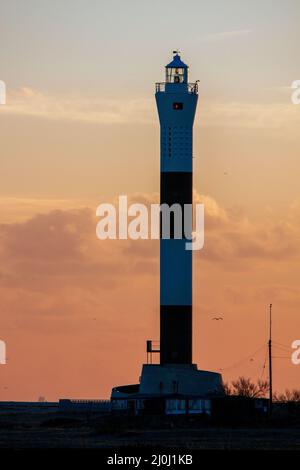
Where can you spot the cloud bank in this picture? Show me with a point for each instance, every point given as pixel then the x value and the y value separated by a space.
pixel 97 110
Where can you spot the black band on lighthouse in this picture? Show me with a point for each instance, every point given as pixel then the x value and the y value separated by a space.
pixel 176 188
pixel 176 334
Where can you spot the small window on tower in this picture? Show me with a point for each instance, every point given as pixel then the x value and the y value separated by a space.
pixel 177 106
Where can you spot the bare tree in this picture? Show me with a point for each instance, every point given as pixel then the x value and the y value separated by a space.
pixel 288 396
pixel 245 388
pixel 227 388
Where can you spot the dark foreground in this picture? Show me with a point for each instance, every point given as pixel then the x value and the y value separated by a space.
pixel 45 427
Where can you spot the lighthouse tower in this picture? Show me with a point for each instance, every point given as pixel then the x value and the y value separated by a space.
pixel 174 384
pixel 176 100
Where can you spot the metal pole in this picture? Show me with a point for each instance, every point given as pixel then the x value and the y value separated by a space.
pixel 270 366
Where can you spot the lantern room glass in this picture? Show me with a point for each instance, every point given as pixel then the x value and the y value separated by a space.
pixel 175 75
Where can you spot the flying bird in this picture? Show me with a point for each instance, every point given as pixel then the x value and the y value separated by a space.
pixel 217 318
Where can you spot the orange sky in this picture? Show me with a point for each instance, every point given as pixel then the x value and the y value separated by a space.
pixel 76 311
pixel 80 127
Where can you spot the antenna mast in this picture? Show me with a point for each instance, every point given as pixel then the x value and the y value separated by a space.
pixel 270 366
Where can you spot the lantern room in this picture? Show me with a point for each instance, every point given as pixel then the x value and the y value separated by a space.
pixel 176 71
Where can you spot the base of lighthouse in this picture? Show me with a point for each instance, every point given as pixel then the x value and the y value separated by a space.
pixel 169 389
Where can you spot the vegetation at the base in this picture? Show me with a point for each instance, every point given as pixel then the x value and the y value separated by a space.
pixel 245 387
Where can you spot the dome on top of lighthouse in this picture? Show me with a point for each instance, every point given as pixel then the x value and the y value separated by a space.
pixel 177 63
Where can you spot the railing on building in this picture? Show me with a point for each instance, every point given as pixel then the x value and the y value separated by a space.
pixel 152 347
pixel 192 87
pixel 84 405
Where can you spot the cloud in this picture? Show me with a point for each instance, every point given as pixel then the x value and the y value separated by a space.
pixel 89 109
pixel 17 209
pixel 277 116
pixel 61 246
pixel 94 109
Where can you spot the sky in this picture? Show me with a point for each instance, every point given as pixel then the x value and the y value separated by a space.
pixel 80 128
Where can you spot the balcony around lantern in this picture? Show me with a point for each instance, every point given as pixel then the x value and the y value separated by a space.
pixel 162 87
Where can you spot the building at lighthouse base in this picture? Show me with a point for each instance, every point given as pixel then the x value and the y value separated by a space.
pixel 169 389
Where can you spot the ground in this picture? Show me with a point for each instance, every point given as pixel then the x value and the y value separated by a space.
pixel 47 428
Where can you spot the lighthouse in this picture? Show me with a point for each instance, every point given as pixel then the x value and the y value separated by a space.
pixel 174 384
pixel 176 101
